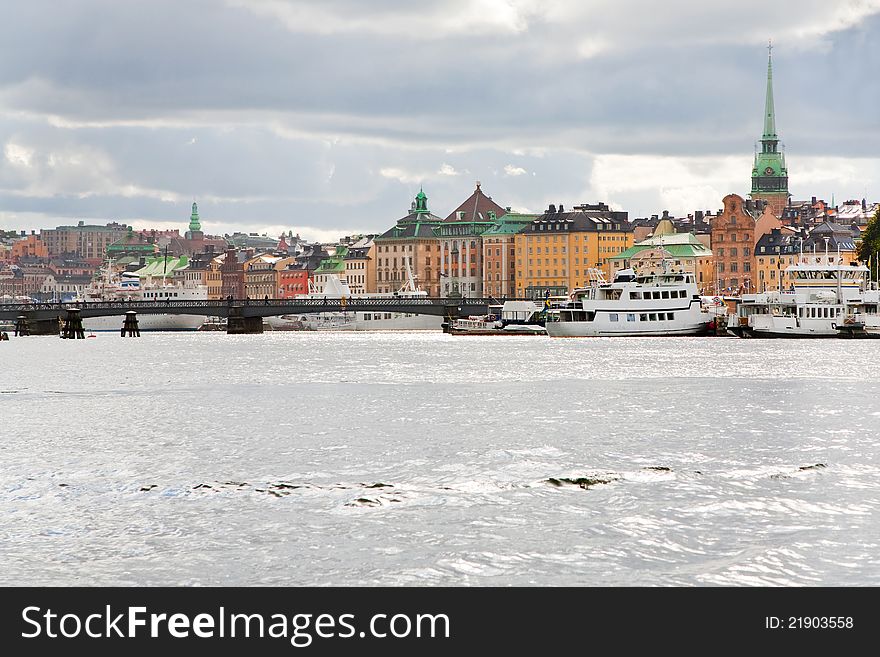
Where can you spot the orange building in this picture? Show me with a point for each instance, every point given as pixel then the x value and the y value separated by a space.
pixel 29 247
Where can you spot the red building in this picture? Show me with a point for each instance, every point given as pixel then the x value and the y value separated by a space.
pixel 232 276
pixel 292 280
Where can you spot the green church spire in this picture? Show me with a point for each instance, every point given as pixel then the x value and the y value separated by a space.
pixel 769 172
pixel 769 110
pixel 194 223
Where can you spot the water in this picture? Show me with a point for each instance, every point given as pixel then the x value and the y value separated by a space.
pixel 425 459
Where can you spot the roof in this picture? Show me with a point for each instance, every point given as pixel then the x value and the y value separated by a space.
pixel 476 208
pixel 512 222
pixel 579 221
pixel 161 266
pixel 412 226
pixel 688 250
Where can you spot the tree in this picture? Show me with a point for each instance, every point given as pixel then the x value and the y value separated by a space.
pixel 870 244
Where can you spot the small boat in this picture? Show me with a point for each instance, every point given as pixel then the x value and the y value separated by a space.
pixel 510 318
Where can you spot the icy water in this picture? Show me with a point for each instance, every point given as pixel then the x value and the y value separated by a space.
pixel 425 459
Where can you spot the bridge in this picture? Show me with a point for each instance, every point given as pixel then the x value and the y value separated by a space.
pixel 244 315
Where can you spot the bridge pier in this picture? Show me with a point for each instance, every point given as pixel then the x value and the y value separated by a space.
pixel 238 324
pixel 73 326
pixel 21 326
pixel 130 325
pixel 25 325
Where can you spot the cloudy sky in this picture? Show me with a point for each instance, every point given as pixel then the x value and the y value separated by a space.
pixel 326 117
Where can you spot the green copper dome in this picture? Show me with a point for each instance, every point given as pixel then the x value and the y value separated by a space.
pixel 194 223
pixel 421 202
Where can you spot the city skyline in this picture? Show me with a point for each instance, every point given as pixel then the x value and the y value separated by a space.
pixel 281 115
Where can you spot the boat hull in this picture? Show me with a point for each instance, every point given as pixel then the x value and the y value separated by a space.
pixel 158 322
pixel 355 322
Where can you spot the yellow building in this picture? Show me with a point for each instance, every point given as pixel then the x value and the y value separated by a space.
pixel 555 251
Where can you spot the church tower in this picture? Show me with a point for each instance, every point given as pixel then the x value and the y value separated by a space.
pixel 769 173
pixel 195 225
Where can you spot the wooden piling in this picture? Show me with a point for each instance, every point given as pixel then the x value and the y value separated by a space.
pixel 130 325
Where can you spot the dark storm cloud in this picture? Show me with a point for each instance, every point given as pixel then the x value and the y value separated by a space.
pixel 312 113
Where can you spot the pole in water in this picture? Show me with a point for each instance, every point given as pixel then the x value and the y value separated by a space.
pixel 130 326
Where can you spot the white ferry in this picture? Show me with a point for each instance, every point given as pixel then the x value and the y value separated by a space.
pixel 826 299
pixel 650 305
pixel 336 288
pixel 128 287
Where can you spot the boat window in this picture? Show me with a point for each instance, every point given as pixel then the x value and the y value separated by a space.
pixel 652 317
pixel 665 294
pixel 630 317
pixel 635 295
pixel 643 317
pixel 661 317
pixel 656 295
pixel 613 317
pixel 670 316
pixel 367 317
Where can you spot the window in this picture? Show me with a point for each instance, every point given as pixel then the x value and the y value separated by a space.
pixel 630 317
pixel 652 317
pixel 635 295
pixel 612 317
pixel 733 253
pixel 720 253
pixel 643 317
pixel 670 316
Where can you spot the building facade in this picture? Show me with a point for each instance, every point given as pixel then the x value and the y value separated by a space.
pixel 461 248
pixel 360 267
pixel 555 251
pixel 410 246
pixel 231 275
pixel 668 251
pixel 774 252
pixel 733 239
pixel 86 241
pixel 499 254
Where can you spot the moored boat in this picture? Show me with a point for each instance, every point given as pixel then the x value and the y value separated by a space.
pixel 665 304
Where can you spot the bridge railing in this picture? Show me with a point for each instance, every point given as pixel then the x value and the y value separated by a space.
pixel 317 304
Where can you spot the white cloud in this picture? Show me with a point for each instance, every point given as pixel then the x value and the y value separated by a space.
pixel 448 170
pixel 18 155
pixel 400 175
pixel 510 170
pixel 416 20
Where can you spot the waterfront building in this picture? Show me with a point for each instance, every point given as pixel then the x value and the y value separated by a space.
pixel 667 251
pixel 333 265
pixel 360 266
pixel 774 252
pixel 769 171
pixel 461 252
pixel 260 276
pixel 132 245
pixel 411 241
pixel 499 254
pixel 292 277
pixel 85 241
pixel 733 239
pixel 232 274
pixel 834 240
pixel 555 251
pixel 62 287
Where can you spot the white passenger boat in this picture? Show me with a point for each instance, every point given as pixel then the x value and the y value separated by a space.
pixel 128 287
pixel 651 305
pixel 336 288
pixel 826 299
